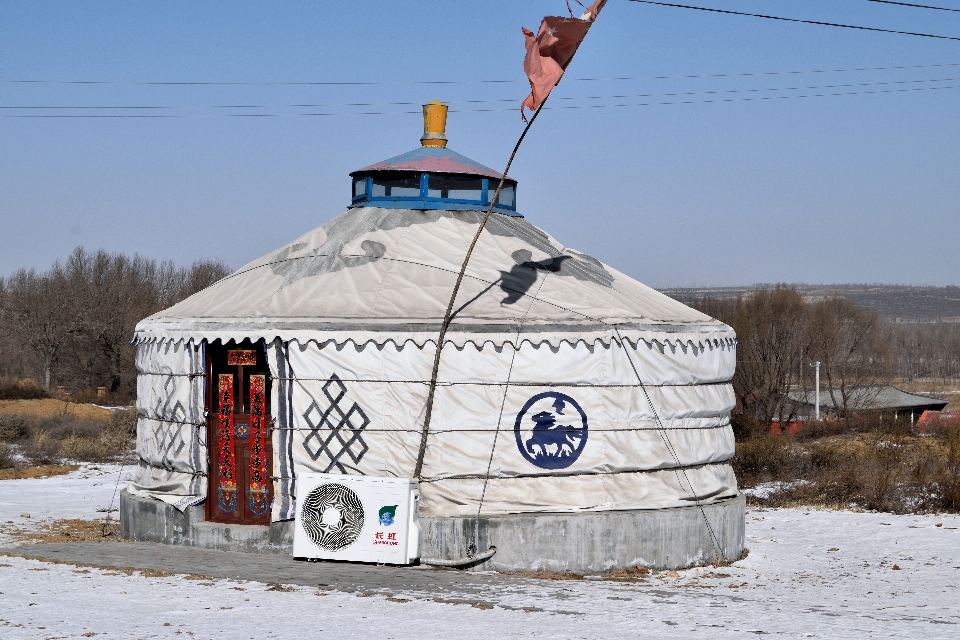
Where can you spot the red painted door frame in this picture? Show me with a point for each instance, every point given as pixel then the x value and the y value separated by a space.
pixel 224 503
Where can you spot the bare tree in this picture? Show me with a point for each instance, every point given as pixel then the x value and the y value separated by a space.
pixel 779 334
pixel 854 354
pixel 77 319
pixel 925 350
pixel 42 312
pixel 771 326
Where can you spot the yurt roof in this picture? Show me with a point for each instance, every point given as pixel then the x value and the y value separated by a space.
pixel 377 274
pixel 433 159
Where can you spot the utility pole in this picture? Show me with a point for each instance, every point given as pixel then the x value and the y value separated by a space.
pixel 817 406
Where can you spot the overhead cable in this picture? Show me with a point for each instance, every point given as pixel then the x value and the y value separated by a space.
pixel 418 112
pixel 488 101
pixel 463 82
pixel 797 20
pixel 914 6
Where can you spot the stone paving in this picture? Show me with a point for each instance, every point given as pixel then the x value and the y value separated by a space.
pixel 460 586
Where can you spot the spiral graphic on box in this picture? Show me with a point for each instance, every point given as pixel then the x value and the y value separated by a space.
pixel 344 523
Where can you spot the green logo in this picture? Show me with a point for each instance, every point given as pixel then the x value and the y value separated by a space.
pixel 387 514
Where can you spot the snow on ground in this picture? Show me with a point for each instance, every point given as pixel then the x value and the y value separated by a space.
pixel 84 493
pixel 767 489
pixel 809 574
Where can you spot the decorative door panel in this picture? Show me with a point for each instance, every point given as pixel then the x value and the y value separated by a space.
pixel 238 398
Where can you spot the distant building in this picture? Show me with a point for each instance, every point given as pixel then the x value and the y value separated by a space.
pixel 931 422
pixel 886 399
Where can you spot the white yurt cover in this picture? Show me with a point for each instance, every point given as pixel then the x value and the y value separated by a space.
pixel 542 336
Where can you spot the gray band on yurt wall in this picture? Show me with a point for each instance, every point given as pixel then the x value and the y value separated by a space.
pixel 284 506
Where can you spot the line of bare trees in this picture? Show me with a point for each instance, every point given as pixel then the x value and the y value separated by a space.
pixel 926 350
pixel 780 335
pixel 72 324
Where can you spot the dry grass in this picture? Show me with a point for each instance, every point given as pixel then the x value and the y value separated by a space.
pixel 51 407
pixel 21 473
pixel 891 470
pixel 545 575
pixel 633 574
pixel 51 440
pixel 69 530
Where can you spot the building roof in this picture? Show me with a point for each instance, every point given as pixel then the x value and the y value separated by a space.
pixel 934 416
pixel 872 398
pixel 432 159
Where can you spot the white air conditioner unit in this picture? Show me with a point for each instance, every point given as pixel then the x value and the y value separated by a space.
pixel 357 518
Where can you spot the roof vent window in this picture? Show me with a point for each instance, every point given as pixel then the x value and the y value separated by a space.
pixel 455 188
pixel 359 187
pixel 506 197
pixel 400 186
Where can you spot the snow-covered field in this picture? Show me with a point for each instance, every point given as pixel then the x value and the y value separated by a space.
pixel 84 493
pixel 810 574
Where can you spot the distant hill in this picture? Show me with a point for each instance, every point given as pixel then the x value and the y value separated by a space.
pixel 892 302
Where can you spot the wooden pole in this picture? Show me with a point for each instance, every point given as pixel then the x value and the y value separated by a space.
pixel 453 298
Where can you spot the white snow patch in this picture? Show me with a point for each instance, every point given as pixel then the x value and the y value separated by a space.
pixel 84 493
pixel 810 573
pixel 767 489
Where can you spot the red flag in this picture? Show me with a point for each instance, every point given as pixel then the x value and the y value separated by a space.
pixel 551 50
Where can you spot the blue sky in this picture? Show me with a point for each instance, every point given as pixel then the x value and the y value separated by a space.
pixel 858 188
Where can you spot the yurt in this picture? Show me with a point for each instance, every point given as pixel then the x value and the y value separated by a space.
pixel 581 420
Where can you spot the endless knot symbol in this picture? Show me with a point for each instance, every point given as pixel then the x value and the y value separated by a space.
pixel 167 432
pixel 345 429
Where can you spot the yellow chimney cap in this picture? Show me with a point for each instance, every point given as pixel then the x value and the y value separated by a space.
pixel 434 124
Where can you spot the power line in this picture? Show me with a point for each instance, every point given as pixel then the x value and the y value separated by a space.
pixel 255 84
pixel 488 101
pixel 914 6
pixel 755 99
pixel 815 22
pixel 417 112
pixel 467 82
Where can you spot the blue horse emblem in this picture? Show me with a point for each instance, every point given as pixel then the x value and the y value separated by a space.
pixel 551 430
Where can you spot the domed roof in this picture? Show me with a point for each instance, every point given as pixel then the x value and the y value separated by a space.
pixel 386 274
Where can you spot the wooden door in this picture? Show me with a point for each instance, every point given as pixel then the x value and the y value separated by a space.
pixel 240 489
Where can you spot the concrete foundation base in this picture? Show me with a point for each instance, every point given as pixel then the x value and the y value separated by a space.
pixel 559 542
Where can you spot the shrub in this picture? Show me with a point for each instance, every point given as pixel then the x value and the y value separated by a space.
pixel 879 471
pixel 13 428
pixel 762 458
pixel 7 458
pixel 746 427
pixel 59 427
pixel 21 390
pixel 110 399
pixel 57 438
pixel 86 448
pixel 814 430
pixel 42 449
pixel 947 478
pixel 124 422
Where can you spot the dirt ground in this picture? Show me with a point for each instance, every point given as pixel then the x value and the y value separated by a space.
pixel 66 530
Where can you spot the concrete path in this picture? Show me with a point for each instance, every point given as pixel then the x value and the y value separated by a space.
pixel 447 585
